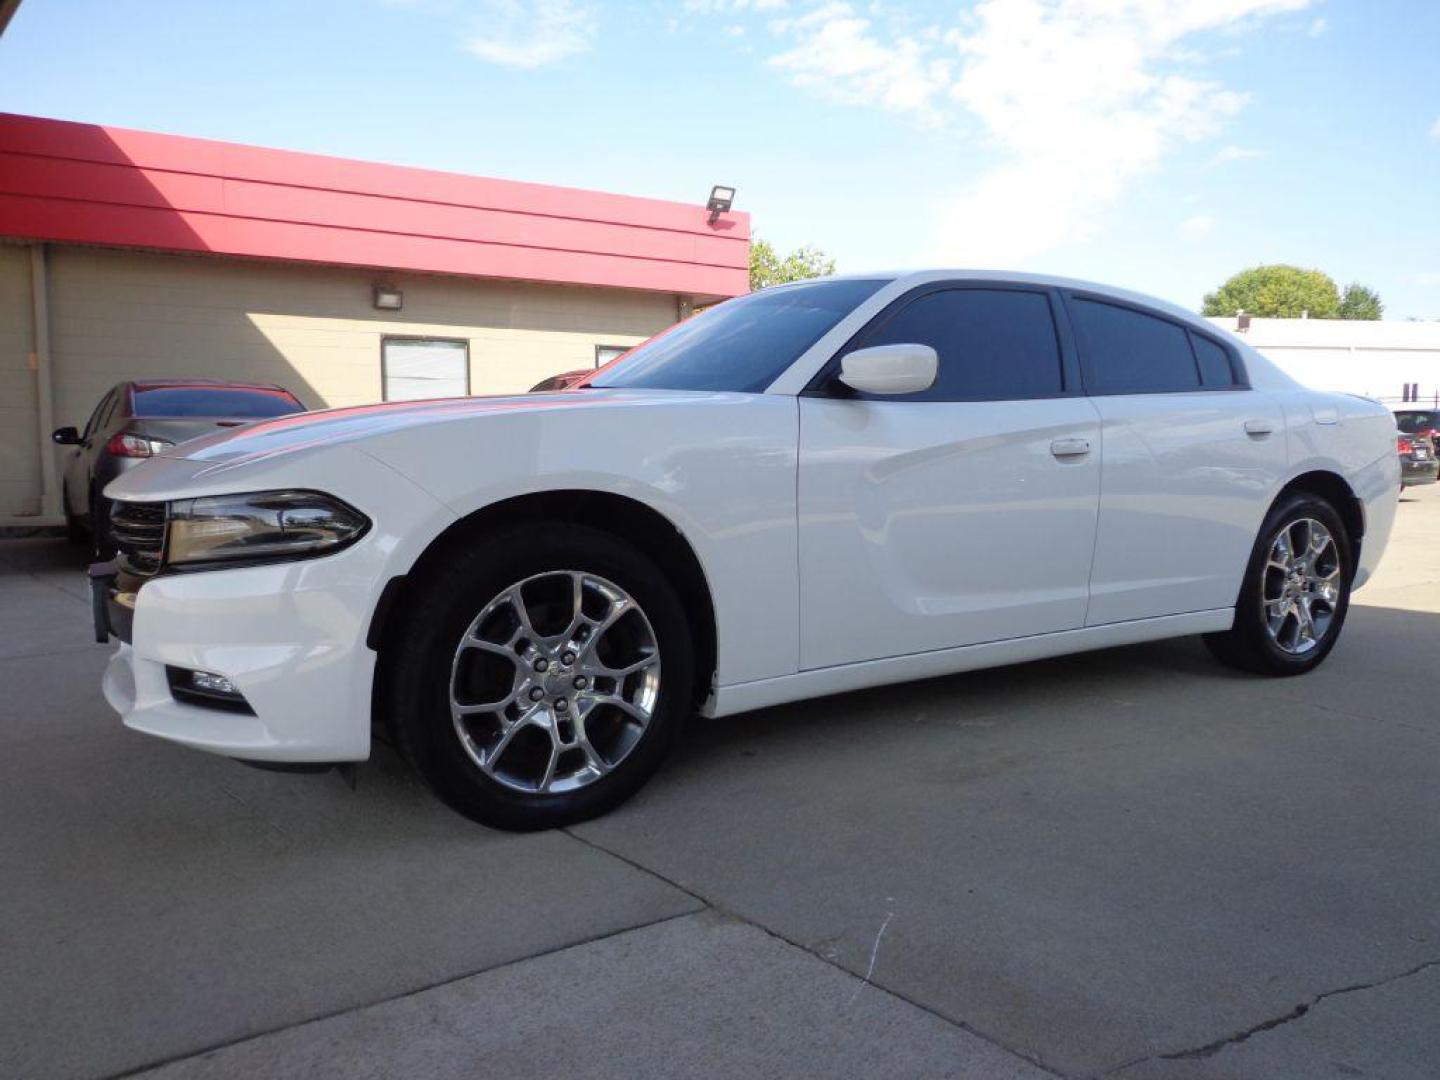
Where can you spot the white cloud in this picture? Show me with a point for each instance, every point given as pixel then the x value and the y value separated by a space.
pixel 1428 278
pixel 1077 99
pixel 1197 226
pixel 1435 129
pixel 1082 98
pixel 1317 27
pixel 1234 153
pixel 709 7
pixel 839 57
pixel 530 33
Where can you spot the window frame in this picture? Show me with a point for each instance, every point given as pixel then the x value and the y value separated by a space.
pixel 1240 378
pixel 623 350
pixel 412 338
pixel 826 382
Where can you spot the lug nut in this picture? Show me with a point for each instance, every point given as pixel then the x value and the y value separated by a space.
pixel 568 658
pixel 536 693
pixel 541 664
pixel 581 682
pixel 561 704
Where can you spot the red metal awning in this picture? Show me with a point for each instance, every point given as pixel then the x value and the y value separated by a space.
pixel 82 183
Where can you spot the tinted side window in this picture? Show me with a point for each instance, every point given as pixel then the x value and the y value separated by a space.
pixel 100 415
pixel 1133 353
pixel 993 344
pixel 1215 369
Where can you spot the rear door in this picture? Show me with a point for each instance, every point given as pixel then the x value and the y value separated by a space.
pixel 959 515
pixel 1191 457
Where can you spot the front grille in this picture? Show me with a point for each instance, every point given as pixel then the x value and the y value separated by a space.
pixel 139 532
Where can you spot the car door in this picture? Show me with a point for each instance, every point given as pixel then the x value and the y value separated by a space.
pixel 79 462
pixel 961 514
pixel 1191 457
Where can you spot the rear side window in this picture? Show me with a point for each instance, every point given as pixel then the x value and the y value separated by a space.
pixel 993 344
pixel 1129 352
pixel 247 401
pixel 1215 367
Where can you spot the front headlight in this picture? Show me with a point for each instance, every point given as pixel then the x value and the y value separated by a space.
pixel 262 526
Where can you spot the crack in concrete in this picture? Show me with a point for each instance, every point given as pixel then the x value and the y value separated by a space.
pixel 721 909
pixel 1210 1049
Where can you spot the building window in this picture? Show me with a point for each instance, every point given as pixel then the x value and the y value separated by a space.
pixel 413 369
pixel 605 353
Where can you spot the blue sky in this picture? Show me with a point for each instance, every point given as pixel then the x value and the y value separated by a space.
pixel 1156 144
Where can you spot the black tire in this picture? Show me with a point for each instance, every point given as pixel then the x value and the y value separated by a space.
pixel 1249 645
pixel 439 608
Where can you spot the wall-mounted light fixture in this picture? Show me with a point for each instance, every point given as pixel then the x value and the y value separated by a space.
pixel 721 199
pixel 388 298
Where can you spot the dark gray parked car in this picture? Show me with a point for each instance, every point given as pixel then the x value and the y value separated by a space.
pixel 136 420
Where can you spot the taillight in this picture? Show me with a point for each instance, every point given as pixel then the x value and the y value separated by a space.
pixel 1406 446
pixel 128 444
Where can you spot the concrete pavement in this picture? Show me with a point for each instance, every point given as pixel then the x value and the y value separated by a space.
pixel 1133 862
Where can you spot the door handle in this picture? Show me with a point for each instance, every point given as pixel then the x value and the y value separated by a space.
pixel 1063 448
pixel 1259 428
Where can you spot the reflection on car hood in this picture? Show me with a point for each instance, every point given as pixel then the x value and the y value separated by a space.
pixel 333 426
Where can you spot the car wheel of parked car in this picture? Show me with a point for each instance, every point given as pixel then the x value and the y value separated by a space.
pixel 538 676
pixel 1295 594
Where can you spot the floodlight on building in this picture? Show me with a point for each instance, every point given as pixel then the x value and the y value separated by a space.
pixel 721 199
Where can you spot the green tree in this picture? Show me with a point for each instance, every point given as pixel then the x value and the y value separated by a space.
pixel 1276 292
pixel 1360 302
pixel 768 268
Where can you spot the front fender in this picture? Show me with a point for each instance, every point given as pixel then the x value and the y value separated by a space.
pixel 719 467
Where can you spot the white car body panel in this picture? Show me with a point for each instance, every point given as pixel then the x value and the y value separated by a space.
pixel 1182 500
pixel 935 524
pixel 844 543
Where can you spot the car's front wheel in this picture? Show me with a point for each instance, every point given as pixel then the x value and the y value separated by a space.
pixel 539 675
pixel 1296 591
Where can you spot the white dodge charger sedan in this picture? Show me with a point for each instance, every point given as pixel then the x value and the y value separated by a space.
pixel 810 489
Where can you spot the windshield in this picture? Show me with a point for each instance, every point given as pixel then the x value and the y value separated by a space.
pixel 172 401
pixel 743 344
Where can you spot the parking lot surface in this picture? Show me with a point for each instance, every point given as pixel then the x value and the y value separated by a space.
pixel 1131 863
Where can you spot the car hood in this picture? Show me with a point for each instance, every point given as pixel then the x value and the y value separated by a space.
pixel 305 431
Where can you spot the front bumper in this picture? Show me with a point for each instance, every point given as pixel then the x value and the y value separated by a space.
pixel 291 637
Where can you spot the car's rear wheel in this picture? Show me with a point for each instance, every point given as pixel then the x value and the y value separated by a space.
pixel 539 675
pixel 1296 591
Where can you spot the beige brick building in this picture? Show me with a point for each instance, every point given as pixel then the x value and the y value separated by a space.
pixel 128 255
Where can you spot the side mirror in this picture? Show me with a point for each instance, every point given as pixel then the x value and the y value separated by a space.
pixel 66 436
pixel 890 369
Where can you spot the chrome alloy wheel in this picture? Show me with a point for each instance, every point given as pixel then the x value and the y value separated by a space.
pixel 1301 588
pixel 554 682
